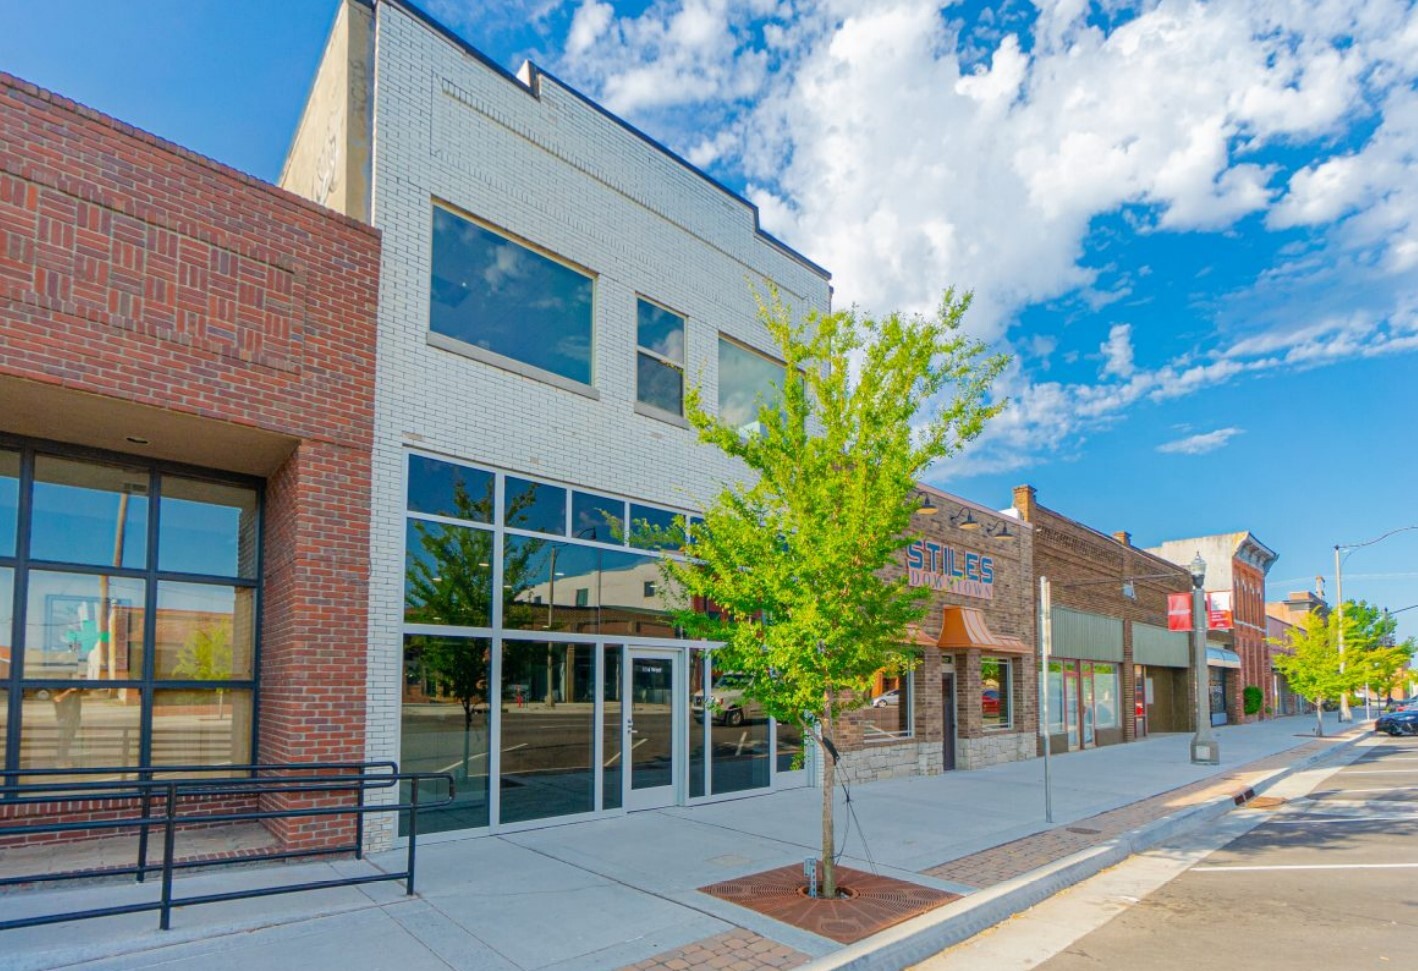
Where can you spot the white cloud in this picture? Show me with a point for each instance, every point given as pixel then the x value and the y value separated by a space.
pixel 1117 352
pixel 1200 444
pixel 875 138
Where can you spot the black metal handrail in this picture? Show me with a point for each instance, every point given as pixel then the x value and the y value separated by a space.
pixel 357 778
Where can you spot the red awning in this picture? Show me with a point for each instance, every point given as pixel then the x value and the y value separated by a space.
pixel 964 628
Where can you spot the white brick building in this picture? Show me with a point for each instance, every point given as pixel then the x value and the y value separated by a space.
pixel 498 193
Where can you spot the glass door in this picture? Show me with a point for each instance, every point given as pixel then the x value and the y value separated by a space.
pixel 650 717
pixel 1086 682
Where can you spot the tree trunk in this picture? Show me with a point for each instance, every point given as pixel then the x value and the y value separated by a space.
pixel 1319 717
pixel 829 768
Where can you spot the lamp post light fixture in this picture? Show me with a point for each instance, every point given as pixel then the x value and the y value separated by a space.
pixel 965 520
pixel 927 506
pixel 1206 749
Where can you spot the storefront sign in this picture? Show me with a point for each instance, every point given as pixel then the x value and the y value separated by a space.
pixel 1218 610
pixel 1179 611
pixel 949 570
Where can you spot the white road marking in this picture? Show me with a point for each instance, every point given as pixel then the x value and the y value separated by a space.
pixel 1349 772
pixel 475 756
pixel 1341 819
pixel 1306 866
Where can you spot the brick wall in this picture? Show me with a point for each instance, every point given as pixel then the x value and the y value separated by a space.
pixel 1087 568
pixel 136 270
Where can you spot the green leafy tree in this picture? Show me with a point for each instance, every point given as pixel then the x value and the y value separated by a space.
pixel 206 655
pixel 791 566
pixel 1312 667
pixel 1369 647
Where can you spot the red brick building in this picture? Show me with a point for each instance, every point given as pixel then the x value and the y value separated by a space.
pixel 1236 566
pixel 186 418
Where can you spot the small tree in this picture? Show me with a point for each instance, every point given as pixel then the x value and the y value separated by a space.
pixel 794 562
pixel 1312 669
pixel 1369 646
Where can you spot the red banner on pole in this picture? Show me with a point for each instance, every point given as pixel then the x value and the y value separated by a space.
pixel 1179 611
pixel 1218 610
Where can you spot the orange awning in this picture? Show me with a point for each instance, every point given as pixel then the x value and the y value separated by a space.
pixel 964 628
pixel 918 637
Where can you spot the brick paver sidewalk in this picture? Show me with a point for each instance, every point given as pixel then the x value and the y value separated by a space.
pixel 742 950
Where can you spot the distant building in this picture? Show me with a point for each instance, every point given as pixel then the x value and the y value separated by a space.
pixel 1236 565
pixel 1283 616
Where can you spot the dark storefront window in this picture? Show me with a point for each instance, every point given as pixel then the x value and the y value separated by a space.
pixel 139 587
pixel 447 723
pixel 995 693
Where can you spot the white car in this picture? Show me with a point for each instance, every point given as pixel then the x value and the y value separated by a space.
pixel 726 700
pixel 887 699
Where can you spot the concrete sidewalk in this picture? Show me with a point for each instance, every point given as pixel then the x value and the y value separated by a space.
pixel 623 892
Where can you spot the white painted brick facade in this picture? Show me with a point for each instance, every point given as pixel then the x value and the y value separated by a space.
pixel 547 167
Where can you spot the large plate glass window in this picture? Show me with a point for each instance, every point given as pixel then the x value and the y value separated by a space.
pixel 447 723
pixel 499 295
pixel 659 360
pixel 995 692
pixel 889 716
pixel 132 654
pixel 747 381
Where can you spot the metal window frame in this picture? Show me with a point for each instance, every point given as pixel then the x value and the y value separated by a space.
pixel 146 684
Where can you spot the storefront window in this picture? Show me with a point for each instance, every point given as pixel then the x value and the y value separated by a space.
pixel 109 679
pixel 87 513
pixel 498 295
pixel 892 707
pixel 9 500
pixel 1056 697
pixel 995 693
pixel 447 574
pixel 548 730
pixel 446 723
pixel 739 734
pixel 207 528
pixel 1106 692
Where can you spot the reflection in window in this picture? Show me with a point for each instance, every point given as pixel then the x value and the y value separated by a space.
pixel 738 757
pixel 1056 698
pixel 88 513
pixel 546 583
pixel 995 692
pixel 447 574
pixel 611 756
pixel 1105 695
pixel 747 381
pixel 626 607
pixel 9 500
pixel 659 358
pixel 201 727
pixel 7 619
pixel 445 489
pixel 597 518
pixel 535 506
pixel 699 722
pixel 548 730
pixel 78 728
pixel 654 529
pixel 71 619
pixel 499 295
pixel 207 527
pixel 204 632
pixel 790 746
pixel 889 715
pixel 446 721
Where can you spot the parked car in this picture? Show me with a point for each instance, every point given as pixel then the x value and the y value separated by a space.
pixel 1402 721
pixel 1400 704
pixel 887 699
pixel 727 701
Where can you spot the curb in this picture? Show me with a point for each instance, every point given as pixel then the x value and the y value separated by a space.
pixel 922 937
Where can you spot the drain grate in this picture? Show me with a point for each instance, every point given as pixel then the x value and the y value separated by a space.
pixel 1084 831
pixel 1264 802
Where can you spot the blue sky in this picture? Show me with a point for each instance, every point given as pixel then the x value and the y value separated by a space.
pixel 1194 225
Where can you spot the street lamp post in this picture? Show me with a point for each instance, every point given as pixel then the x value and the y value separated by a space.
pixel 1206 749
pixel 1347 548
pixel 1046 637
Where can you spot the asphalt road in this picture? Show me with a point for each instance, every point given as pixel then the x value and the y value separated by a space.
pixel 1329 880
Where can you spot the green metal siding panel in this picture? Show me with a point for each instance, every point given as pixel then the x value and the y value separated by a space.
pixel 1089 637
pixel 1160 647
